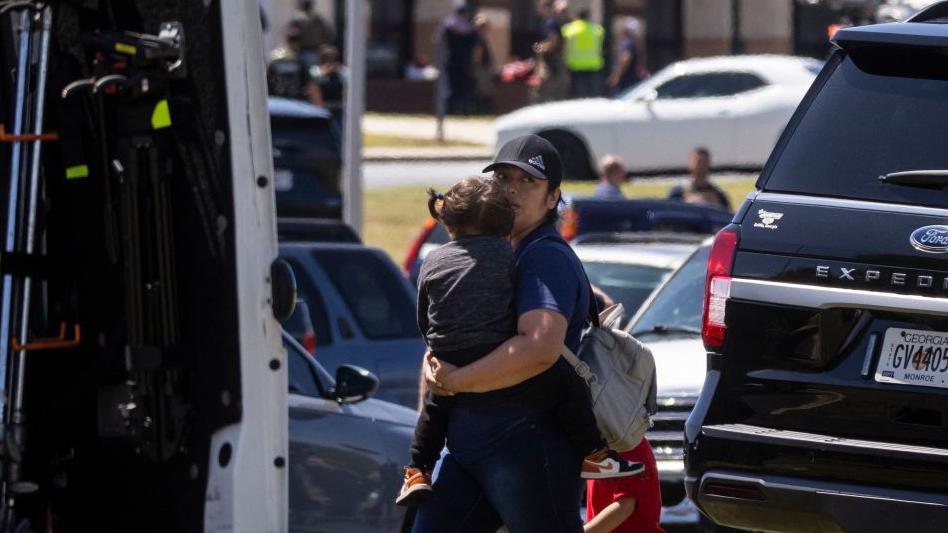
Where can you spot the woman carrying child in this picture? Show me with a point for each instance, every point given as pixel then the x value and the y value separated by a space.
pixel 518 420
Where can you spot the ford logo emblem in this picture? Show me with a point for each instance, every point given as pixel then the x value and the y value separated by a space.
pixel 931 239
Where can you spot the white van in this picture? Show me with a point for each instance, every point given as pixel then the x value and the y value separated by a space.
pixel 145 381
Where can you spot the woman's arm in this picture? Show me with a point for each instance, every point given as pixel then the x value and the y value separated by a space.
pixel 535 348
pixel 612 516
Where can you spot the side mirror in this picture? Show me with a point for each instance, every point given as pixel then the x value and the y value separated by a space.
pixel 354 384
pixel 282 289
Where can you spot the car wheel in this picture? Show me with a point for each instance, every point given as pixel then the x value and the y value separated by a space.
pixel 574 154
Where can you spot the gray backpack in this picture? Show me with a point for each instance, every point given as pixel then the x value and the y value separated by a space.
pixel 620 373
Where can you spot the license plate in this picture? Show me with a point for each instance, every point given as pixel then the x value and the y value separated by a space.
pixel 914 357
pixel 282 179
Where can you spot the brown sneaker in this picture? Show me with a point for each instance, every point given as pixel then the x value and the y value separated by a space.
pixel 416 489
pixel 606 463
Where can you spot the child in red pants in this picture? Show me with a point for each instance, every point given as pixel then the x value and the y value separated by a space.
pixel 627 504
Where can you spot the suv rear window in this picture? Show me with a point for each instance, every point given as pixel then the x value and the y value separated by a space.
pixel 373 291
pixel 882 110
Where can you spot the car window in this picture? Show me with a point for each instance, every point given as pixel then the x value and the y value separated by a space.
pixel 373 291
pixel 309 293
pixel 708 85
pixel 302 376
pixel 629 285
pixel 301 134
pixel 880 111
pixel 678 304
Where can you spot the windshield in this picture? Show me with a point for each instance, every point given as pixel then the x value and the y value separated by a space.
pixel 629 285
pixel 678 304
pixel 373 291
pixel 882 110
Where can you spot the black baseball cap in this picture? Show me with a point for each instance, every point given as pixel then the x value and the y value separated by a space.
pixel 532 154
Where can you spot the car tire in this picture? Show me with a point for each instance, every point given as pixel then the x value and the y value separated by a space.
pixel 574 154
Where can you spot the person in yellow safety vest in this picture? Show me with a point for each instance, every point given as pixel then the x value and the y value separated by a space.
pixel 583 54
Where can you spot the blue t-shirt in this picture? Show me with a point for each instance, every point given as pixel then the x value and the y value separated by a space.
pixel 550 276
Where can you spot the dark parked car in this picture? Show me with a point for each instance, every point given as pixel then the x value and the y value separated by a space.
pixel 826 306
pixel 306 159
pixel 363 310
pixel 591 215
pixel 315 230
pixel 346 449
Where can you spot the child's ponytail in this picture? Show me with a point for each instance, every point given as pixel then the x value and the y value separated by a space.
pixel 433 199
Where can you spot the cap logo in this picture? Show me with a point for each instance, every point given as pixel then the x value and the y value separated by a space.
pixel 537 161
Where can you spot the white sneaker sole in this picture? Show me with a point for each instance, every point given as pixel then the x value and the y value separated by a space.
pixel 608 475
pixel 414 496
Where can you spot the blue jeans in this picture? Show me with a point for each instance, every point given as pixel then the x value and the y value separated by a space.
pixel 506 466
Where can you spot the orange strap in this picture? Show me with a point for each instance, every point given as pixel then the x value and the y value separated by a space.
pixel 55 343
pixel 26 137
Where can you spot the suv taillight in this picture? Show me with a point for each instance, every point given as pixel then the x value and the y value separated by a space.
pixel 717 288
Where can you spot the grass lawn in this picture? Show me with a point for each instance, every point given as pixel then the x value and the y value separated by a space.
pixel 394 216
pixel 376 140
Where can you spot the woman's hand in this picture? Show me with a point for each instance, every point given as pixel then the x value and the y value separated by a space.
pixel 437 375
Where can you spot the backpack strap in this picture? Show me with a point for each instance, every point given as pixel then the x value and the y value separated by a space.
pixel 581 367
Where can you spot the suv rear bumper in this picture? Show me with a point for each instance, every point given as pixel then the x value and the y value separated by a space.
pixel 780 503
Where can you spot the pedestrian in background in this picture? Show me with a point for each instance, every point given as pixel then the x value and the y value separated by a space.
pixel 612 175
pixel 485 76
pixel 330 79
pixel 288 75
pixel 313 32
pixel 699 189
pixel 582 42
pixel 458 38
pixel 628 69
pixel 551 71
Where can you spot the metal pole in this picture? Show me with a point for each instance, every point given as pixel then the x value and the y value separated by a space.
pixel 355 104
pixel 737 39
pixel 13 201
pixel 441 90
pixel 47 24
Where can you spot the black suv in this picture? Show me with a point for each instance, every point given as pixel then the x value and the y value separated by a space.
pixel 825 405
